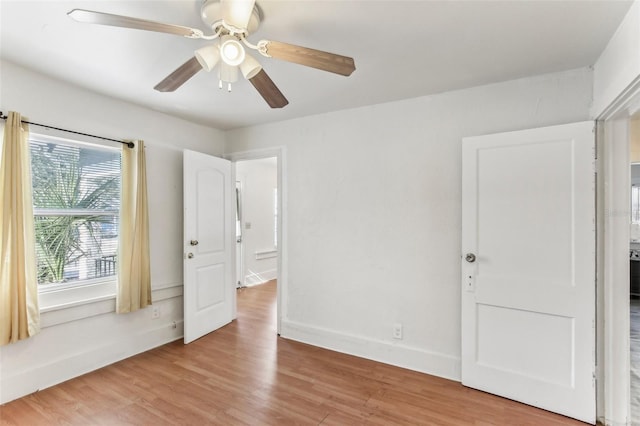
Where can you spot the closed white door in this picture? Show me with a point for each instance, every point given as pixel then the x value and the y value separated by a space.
pixel 528 267
pixel 209 234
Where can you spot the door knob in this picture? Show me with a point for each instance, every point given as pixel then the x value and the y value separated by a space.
pixel 470 257
pixel 193 242
pixel 190 255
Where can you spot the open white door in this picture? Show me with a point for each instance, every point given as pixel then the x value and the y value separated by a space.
pixel 528 267
pixel 209 234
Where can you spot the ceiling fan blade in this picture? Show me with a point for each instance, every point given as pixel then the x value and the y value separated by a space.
pixel 319 59
pixel 177 78
pixel 237 12
pixel 91 17
pixel 268 90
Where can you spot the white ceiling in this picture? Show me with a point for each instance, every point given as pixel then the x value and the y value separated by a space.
pixel 402 49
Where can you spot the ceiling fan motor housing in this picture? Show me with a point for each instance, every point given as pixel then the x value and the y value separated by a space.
pixel 211 13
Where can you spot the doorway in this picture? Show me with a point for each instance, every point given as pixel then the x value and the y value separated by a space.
pixel 634 269
pixel 273 249
pixel 256 221
pixel 614 243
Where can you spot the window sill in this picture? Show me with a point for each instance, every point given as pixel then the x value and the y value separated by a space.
pixel 62 305
pixel 62 298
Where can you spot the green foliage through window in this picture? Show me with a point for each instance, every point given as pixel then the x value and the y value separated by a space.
pixel 76 199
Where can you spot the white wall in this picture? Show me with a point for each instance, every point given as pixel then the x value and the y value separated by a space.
pixel 258 178
pixel 374 199
pixel 619 64
pixel 97 336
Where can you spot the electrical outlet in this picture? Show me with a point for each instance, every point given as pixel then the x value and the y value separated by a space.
pixel 155 312
pixel 397 331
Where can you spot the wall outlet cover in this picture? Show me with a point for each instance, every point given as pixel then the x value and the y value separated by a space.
pixel 397 331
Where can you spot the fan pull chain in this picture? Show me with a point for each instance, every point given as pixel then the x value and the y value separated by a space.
pixel 228 86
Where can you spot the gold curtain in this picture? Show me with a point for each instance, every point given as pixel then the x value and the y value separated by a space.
pixel 134 272
pixel 19 314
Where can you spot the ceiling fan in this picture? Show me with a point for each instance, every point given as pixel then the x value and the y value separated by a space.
pixel 231 22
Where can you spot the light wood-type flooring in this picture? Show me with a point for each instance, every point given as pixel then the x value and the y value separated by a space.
pixel 244 374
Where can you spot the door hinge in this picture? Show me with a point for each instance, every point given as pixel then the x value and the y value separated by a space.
pixel 596 164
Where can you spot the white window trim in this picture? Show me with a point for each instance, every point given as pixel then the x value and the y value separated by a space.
pixel 62 296
pixel 67 296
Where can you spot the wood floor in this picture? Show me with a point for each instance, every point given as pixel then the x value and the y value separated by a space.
pixel 244 374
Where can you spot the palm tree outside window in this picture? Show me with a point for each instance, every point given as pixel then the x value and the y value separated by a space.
pixel 76 201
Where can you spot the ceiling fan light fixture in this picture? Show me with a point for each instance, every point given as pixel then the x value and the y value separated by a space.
pixel 228 73
pixel 250 67
pixel 208 56
pixel 232 51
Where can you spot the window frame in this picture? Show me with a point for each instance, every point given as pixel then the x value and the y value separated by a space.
pixel 56 296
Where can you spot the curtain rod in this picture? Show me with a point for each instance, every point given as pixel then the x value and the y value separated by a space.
pixel 129 144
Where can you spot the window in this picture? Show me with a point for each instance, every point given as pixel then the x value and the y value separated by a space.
pixel 76 201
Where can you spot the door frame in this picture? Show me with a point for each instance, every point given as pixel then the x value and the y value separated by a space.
pixel 613 353
pixel 239 252
pixel 280 154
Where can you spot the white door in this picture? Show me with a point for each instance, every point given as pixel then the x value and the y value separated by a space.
pixel 528 297
pixel 209 234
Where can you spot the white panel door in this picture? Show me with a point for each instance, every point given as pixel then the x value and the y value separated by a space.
pixel 528 297
pixel 209 234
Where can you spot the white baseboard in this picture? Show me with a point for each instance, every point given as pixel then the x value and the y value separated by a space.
pixel 255 278
pixel 62 369
pixel 436 364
